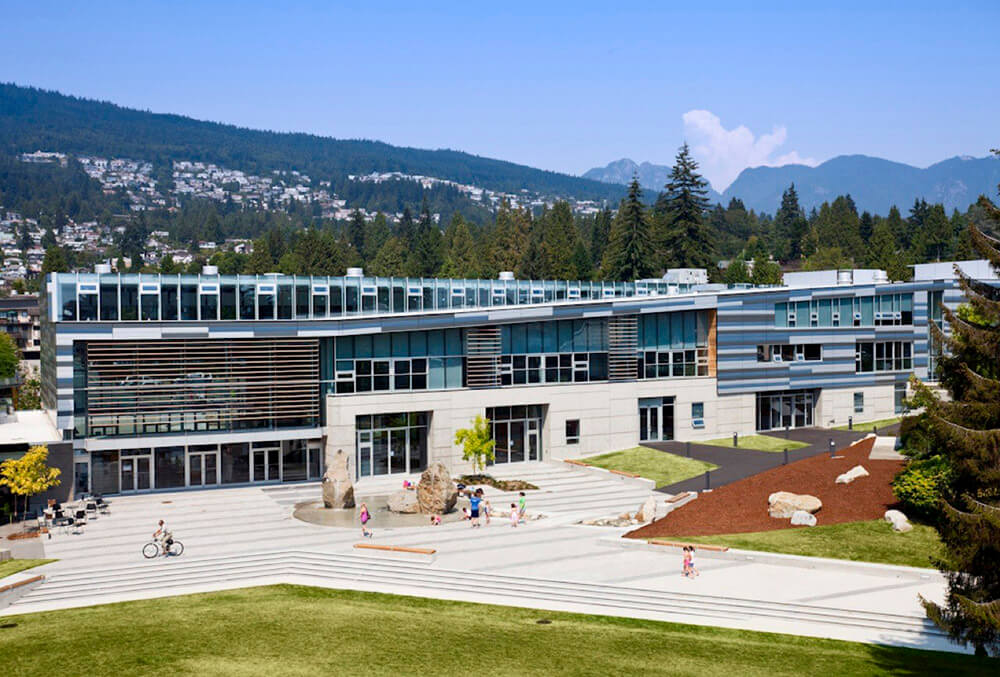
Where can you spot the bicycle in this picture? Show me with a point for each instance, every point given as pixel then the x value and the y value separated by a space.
pixel 154 549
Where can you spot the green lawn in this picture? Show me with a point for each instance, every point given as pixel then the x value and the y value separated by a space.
pixel 295 630
pixel 659 466
pixel 867 426
pixel 873 541
pixel 757 443
pixel 12 566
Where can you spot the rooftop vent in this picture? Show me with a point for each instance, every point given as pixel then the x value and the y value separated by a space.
pixel 879 276
pixel 845 277
pixel 209 270
pixel 355 272
pixel 103 268
pixel 506 275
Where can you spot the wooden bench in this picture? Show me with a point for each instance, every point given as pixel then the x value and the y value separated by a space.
pixel 679 497
pixel 681 544
pixel 22 583
pixel 572 461
pixel 395 548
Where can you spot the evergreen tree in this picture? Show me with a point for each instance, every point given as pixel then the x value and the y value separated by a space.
pixel 260 260
pixel 629 254
pixel 376 235
pixel 48 239
pixel 599 234
pixel 391 259
pixel 867 226
pixel 560 238
pixel 965 430
pixel 898 227
pixel 55 261
pixel 583 267
pixel 828 258
pixel 425 253
pixel 169 267
pixel 356 232
pixel 405 229
pixel 934 240
pixel 838 225
pixel 509 238
pixel 687 242
pixel 882 252
pixel 461 259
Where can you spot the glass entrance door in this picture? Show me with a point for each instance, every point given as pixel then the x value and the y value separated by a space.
pixel 203 469
pixel 135 473
pixel 516 432
pixel 656 419
pixel 266 465
pixel 792 409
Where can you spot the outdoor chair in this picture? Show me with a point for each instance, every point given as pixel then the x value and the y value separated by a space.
pixel 91 508
pixel 79 521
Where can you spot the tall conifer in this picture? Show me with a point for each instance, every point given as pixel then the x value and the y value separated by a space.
pixel 629 255
pixel 687 241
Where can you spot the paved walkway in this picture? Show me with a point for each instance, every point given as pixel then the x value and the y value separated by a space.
pixel 736 464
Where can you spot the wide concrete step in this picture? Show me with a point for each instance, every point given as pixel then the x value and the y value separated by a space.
pixel 418 576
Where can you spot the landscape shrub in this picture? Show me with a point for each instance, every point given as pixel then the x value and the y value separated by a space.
pixel 921 485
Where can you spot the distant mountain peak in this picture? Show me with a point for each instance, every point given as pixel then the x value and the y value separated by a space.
pixel 652 177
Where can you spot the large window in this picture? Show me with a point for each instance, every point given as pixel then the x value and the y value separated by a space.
pixel 418 360
pixel 391 443
pixel 790 409
pixel 673 345
pixel 846 311
pixel 517 432
pixel 880 356
pixel 807 352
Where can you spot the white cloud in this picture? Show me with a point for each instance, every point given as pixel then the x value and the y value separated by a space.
pixel 723 153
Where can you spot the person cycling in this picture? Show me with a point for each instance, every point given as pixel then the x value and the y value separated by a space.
pixel 163 536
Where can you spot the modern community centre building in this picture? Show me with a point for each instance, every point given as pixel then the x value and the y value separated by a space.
pixel 172 381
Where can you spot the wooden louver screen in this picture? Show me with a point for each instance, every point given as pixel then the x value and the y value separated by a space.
pixel 623 346
pixel 202 384
pixel 482 357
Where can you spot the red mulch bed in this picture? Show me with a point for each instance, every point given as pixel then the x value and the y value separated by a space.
pixel 741 507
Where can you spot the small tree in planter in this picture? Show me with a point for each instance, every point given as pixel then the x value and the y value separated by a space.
pixel 29 475
pixel 477 443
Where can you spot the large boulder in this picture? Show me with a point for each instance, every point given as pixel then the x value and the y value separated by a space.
pixel 898 521
pixel 782 504
pixel 852 474
pixel 404 501
pixel 338 490
pixel 801 518
pixel 436 492
pixel 647 511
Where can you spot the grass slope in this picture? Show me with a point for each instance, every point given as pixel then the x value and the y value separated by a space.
pixel 867 426
pixel 294 630
pixel 659 466
pixel 12 566
pixel 873 541
pixel 757 443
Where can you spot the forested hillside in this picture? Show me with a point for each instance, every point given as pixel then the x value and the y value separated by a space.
pixel 33 119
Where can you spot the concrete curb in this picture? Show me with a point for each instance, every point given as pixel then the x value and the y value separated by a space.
pixel 16 586
pixel 797 561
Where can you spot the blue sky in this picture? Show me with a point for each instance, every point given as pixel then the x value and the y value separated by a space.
pixel 562 86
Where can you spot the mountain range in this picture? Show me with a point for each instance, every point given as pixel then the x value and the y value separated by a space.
pixel 875 184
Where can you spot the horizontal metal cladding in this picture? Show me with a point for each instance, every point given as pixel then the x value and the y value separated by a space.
pixel 200 384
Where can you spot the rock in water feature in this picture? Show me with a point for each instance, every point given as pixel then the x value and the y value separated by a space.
pixel 404 501
pixel 647 510
pixel 782 504
pixel 338 490
pixel 436 492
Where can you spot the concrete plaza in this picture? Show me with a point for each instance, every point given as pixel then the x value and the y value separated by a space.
pixel 247 536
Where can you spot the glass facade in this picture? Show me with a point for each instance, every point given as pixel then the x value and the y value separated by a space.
pixel 790 409
pixel 671 345
pixel 391 443
pixel 935 315
pixel 876 356
pixel 846 311
pixel 517 432
pixel 90 297
pixel 800 352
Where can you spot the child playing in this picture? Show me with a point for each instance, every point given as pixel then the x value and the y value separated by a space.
pixel 686 570
pixel 522 507
pixel 514 515
pixel 365 517
pixel 435 520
